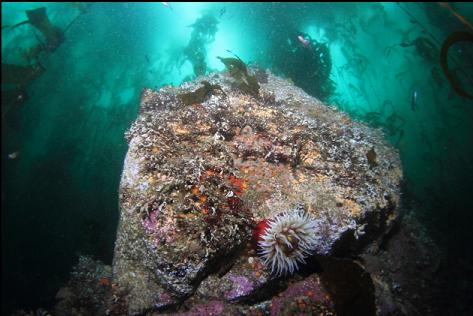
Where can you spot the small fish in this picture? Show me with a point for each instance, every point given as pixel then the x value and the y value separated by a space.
pixel 166 4
pixel 405 44
pixel 414 97
pixel 304 42
pixel 13 155
pixel 222 11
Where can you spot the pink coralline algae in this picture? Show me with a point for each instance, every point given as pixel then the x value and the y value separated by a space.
pixel 241 286
pixel 310 290
pixel 212 308
pixel 159 230
pixel 150 222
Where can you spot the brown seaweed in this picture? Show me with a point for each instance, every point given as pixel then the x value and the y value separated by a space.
pixel 238 70
pixel 371 156
pixel 53 34
pixel 452 39
pixel 39 19
pixel 20 75
pixel 199 95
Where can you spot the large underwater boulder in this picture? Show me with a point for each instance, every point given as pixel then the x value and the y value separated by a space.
pixel 208 161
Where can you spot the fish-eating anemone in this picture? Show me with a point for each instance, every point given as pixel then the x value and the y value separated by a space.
pixel 286 240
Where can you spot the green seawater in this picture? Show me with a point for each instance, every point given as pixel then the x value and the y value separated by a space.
pixel 63 130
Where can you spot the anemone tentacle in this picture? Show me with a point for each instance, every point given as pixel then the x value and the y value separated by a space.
pixel 289 238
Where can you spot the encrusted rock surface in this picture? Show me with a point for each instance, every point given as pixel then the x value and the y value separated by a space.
pixel 198 177
pixel 401 273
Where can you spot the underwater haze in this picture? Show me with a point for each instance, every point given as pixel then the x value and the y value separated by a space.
pixel 73 73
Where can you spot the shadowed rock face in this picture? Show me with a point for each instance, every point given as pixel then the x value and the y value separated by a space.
pixel 198 176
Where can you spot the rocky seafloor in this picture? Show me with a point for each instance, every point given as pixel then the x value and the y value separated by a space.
pixel 210 160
